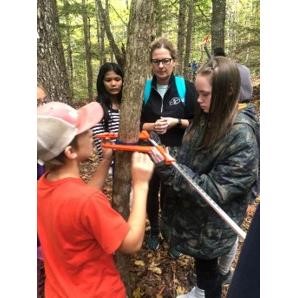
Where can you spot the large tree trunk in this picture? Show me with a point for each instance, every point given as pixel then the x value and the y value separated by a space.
pixel 87 43
pixel 218 24
pixel 51 67
pixel 188 37
pixel 181 35
pixel 137 69
pixel 119 55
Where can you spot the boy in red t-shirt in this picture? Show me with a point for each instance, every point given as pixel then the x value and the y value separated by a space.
pixel 78 229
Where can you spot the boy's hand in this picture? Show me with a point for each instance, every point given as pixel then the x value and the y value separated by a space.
pixel 141 168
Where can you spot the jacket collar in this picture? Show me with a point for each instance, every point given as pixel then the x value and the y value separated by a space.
pixel 154 80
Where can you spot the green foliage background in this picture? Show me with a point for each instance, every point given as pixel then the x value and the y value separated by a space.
pixel 242 33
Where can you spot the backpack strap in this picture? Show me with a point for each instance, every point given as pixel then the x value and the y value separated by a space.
pixel 180 85
pixel 147 90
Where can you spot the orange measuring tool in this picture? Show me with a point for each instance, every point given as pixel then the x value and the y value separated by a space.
pixel 144 135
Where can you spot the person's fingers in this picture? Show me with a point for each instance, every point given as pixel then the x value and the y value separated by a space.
pixel 156 155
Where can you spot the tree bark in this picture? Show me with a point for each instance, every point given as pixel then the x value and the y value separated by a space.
pixel 119 55
pixel 188 37
pixel 181 36
pixel 137 69
pixel 51 67
pixel 87 43
pixel 69 62
pixel 100 35
pixel 218 24
pixel 158 16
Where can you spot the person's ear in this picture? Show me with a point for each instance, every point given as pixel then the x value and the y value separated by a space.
pixel 70 153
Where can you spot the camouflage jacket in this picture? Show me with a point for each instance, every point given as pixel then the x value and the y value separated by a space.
pixel 227 172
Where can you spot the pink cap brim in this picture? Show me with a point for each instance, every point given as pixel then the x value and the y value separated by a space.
pixel 89 116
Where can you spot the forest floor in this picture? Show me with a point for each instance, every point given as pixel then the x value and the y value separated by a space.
pixel 155 273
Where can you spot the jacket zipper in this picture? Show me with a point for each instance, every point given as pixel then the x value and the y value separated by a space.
pixel 161 108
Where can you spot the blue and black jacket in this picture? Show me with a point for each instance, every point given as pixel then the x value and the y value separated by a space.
pixel 170 106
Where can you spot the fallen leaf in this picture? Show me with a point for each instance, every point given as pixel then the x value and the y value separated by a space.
pixel 137 293
pixel 139 263
pixel 156 270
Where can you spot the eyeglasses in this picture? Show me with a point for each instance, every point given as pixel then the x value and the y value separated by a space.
pixel 165 61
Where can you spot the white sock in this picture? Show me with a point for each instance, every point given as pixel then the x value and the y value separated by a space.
pixel 195 292
pixel 200 293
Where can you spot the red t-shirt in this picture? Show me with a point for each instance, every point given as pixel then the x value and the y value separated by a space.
pixel 79 231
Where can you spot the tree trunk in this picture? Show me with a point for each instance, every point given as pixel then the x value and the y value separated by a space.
pixel 51 67
pixel 137 69
pixel 100 35
pixel 188 38
pixel 158 17
pixel 87 43
pixel 218 24
pixel 69 62
pixel 181 36
pixel 119 55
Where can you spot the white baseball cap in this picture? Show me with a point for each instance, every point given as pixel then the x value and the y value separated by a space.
pixel 58 124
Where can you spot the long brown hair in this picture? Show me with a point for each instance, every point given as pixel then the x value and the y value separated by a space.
pixel 225 80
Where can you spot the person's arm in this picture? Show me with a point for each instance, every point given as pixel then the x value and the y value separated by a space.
pixel 172 122
pixel 148 126
pixel 100 174
pixel 142 168
pixel 233 173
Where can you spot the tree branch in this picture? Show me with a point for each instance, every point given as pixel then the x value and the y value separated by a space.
pixel 118 15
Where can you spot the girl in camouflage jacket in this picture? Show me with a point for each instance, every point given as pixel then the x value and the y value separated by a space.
pixel 220 152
